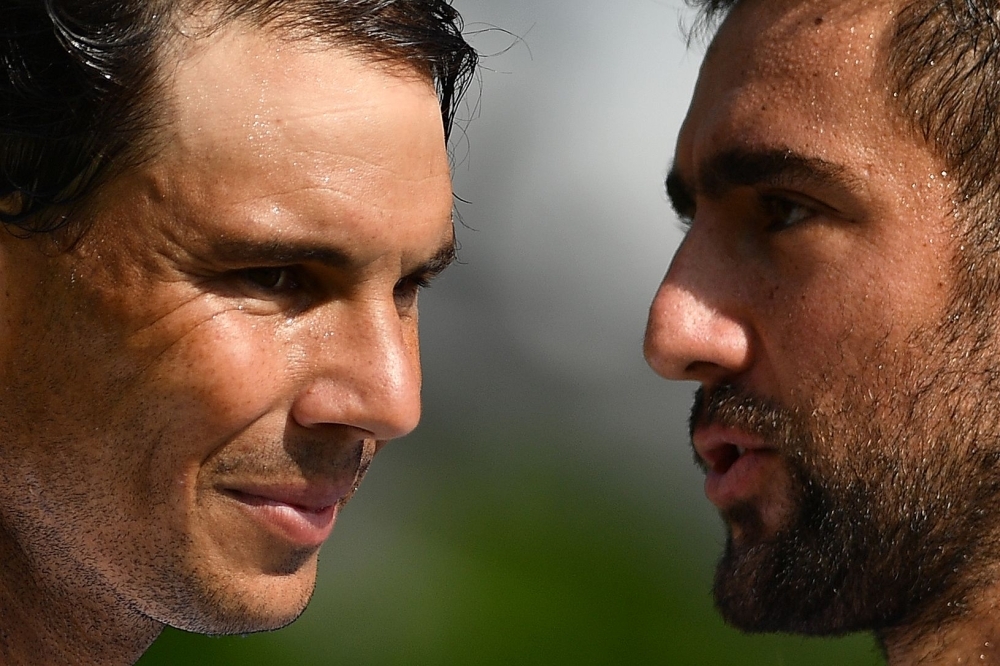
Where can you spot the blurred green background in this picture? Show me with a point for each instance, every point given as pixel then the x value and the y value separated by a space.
pixel 547 510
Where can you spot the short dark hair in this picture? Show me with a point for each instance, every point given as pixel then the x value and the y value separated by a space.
pixel 80 77
pixel 943 74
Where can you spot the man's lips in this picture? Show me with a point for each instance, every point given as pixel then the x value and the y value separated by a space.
pixel 301 512
pixel 303 516
pixel 736 463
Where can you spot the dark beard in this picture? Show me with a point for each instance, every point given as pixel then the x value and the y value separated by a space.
pixel 894 534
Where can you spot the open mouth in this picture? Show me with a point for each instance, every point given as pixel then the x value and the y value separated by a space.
pixel 723 457
pixel 737 464
pixel 717 456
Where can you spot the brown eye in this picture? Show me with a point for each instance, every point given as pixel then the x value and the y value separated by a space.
pixel 783 213
pixel 271 278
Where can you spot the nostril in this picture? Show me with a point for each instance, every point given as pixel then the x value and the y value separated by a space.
pixel 700 369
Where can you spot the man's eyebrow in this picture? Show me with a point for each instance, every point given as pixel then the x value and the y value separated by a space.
pixel 747 168
pixel 275 253
pixel 251 252
pixel 444 257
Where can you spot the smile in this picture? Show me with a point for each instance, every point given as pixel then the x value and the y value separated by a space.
pixel 303 518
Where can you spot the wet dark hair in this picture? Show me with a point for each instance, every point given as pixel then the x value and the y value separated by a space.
pixel 943 73
pixel 79 81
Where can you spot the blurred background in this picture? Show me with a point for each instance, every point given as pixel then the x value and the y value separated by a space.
pixel 547 510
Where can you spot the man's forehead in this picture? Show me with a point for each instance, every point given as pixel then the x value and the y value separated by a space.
pixel 800 76
pixel 240 75
pixel 789 26
pixel 784 53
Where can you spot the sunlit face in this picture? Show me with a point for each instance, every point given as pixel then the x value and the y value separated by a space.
pixel 811 299
pixel 193 389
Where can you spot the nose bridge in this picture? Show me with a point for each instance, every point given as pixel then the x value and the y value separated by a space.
pixel 363 370
pixel 698 327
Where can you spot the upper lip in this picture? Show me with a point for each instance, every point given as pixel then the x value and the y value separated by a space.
pixel 719 446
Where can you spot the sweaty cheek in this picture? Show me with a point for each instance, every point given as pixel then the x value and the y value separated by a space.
pixel 224 375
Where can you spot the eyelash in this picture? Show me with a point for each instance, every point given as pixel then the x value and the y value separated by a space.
pixel 287 281
pixel 406 289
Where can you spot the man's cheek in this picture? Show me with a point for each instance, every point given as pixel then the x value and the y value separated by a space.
pixel 223 376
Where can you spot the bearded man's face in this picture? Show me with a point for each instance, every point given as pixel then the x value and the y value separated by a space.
pixel 814 298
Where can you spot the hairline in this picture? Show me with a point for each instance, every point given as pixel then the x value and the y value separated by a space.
pixel 188 27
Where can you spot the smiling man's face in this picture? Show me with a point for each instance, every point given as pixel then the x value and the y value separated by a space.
pixel 813 300
pixel 193 389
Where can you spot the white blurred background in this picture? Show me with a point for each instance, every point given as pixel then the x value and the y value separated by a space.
pixel 568 232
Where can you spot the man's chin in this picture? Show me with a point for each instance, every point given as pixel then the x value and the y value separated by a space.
pixel 794 583
pixel 769 580
pixel 226 603
pixel 751 595
pixel 230 616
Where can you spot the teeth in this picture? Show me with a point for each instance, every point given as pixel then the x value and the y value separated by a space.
pixel 740 451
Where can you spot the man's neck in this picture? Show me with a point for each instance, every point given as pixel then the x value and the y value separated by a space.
pixel 44 622
pixel 972 639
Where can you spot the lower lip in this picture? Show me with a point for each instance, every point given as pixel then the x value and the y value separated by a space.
pixel 299 526
pixel 744 479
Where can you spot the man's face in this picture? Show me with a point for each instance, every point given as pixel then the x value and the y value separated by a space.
pixel 838 420
pixel 192 389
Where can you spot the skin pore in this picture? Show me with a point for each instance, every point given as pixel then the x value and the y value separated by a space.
pixel 813 299
pixel 194 387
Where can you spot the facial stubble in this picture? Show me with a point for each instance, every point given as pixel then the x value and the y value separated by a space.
pixel 892 501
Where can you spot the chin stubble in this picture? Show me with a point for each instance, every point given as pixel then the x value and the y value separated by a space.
pixel 895 529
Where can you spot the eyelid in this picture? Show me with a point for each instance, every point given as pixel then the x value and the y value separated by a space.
pixel 420 279
pixel 799 198
pixel 290 282
pixel 771 200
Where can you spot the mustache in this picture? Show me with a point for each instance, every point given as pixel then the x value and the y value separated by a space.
pixel 311 461
pixel 731 406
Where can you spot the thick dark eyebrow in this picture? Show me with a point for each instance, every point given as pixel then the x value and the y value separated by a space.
pixel 748 168
pixel 680 195
pixel 444 257
pixel 248 252
pixel 276 253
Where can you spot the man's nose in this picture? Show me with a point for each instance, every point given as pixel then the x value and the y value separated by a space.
pixel 364 373
pixel 697 329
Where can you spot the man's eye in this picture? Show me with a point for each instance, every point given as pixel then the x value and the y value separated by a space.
pixel 782 212
pixel 407 289
pixel 270 278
